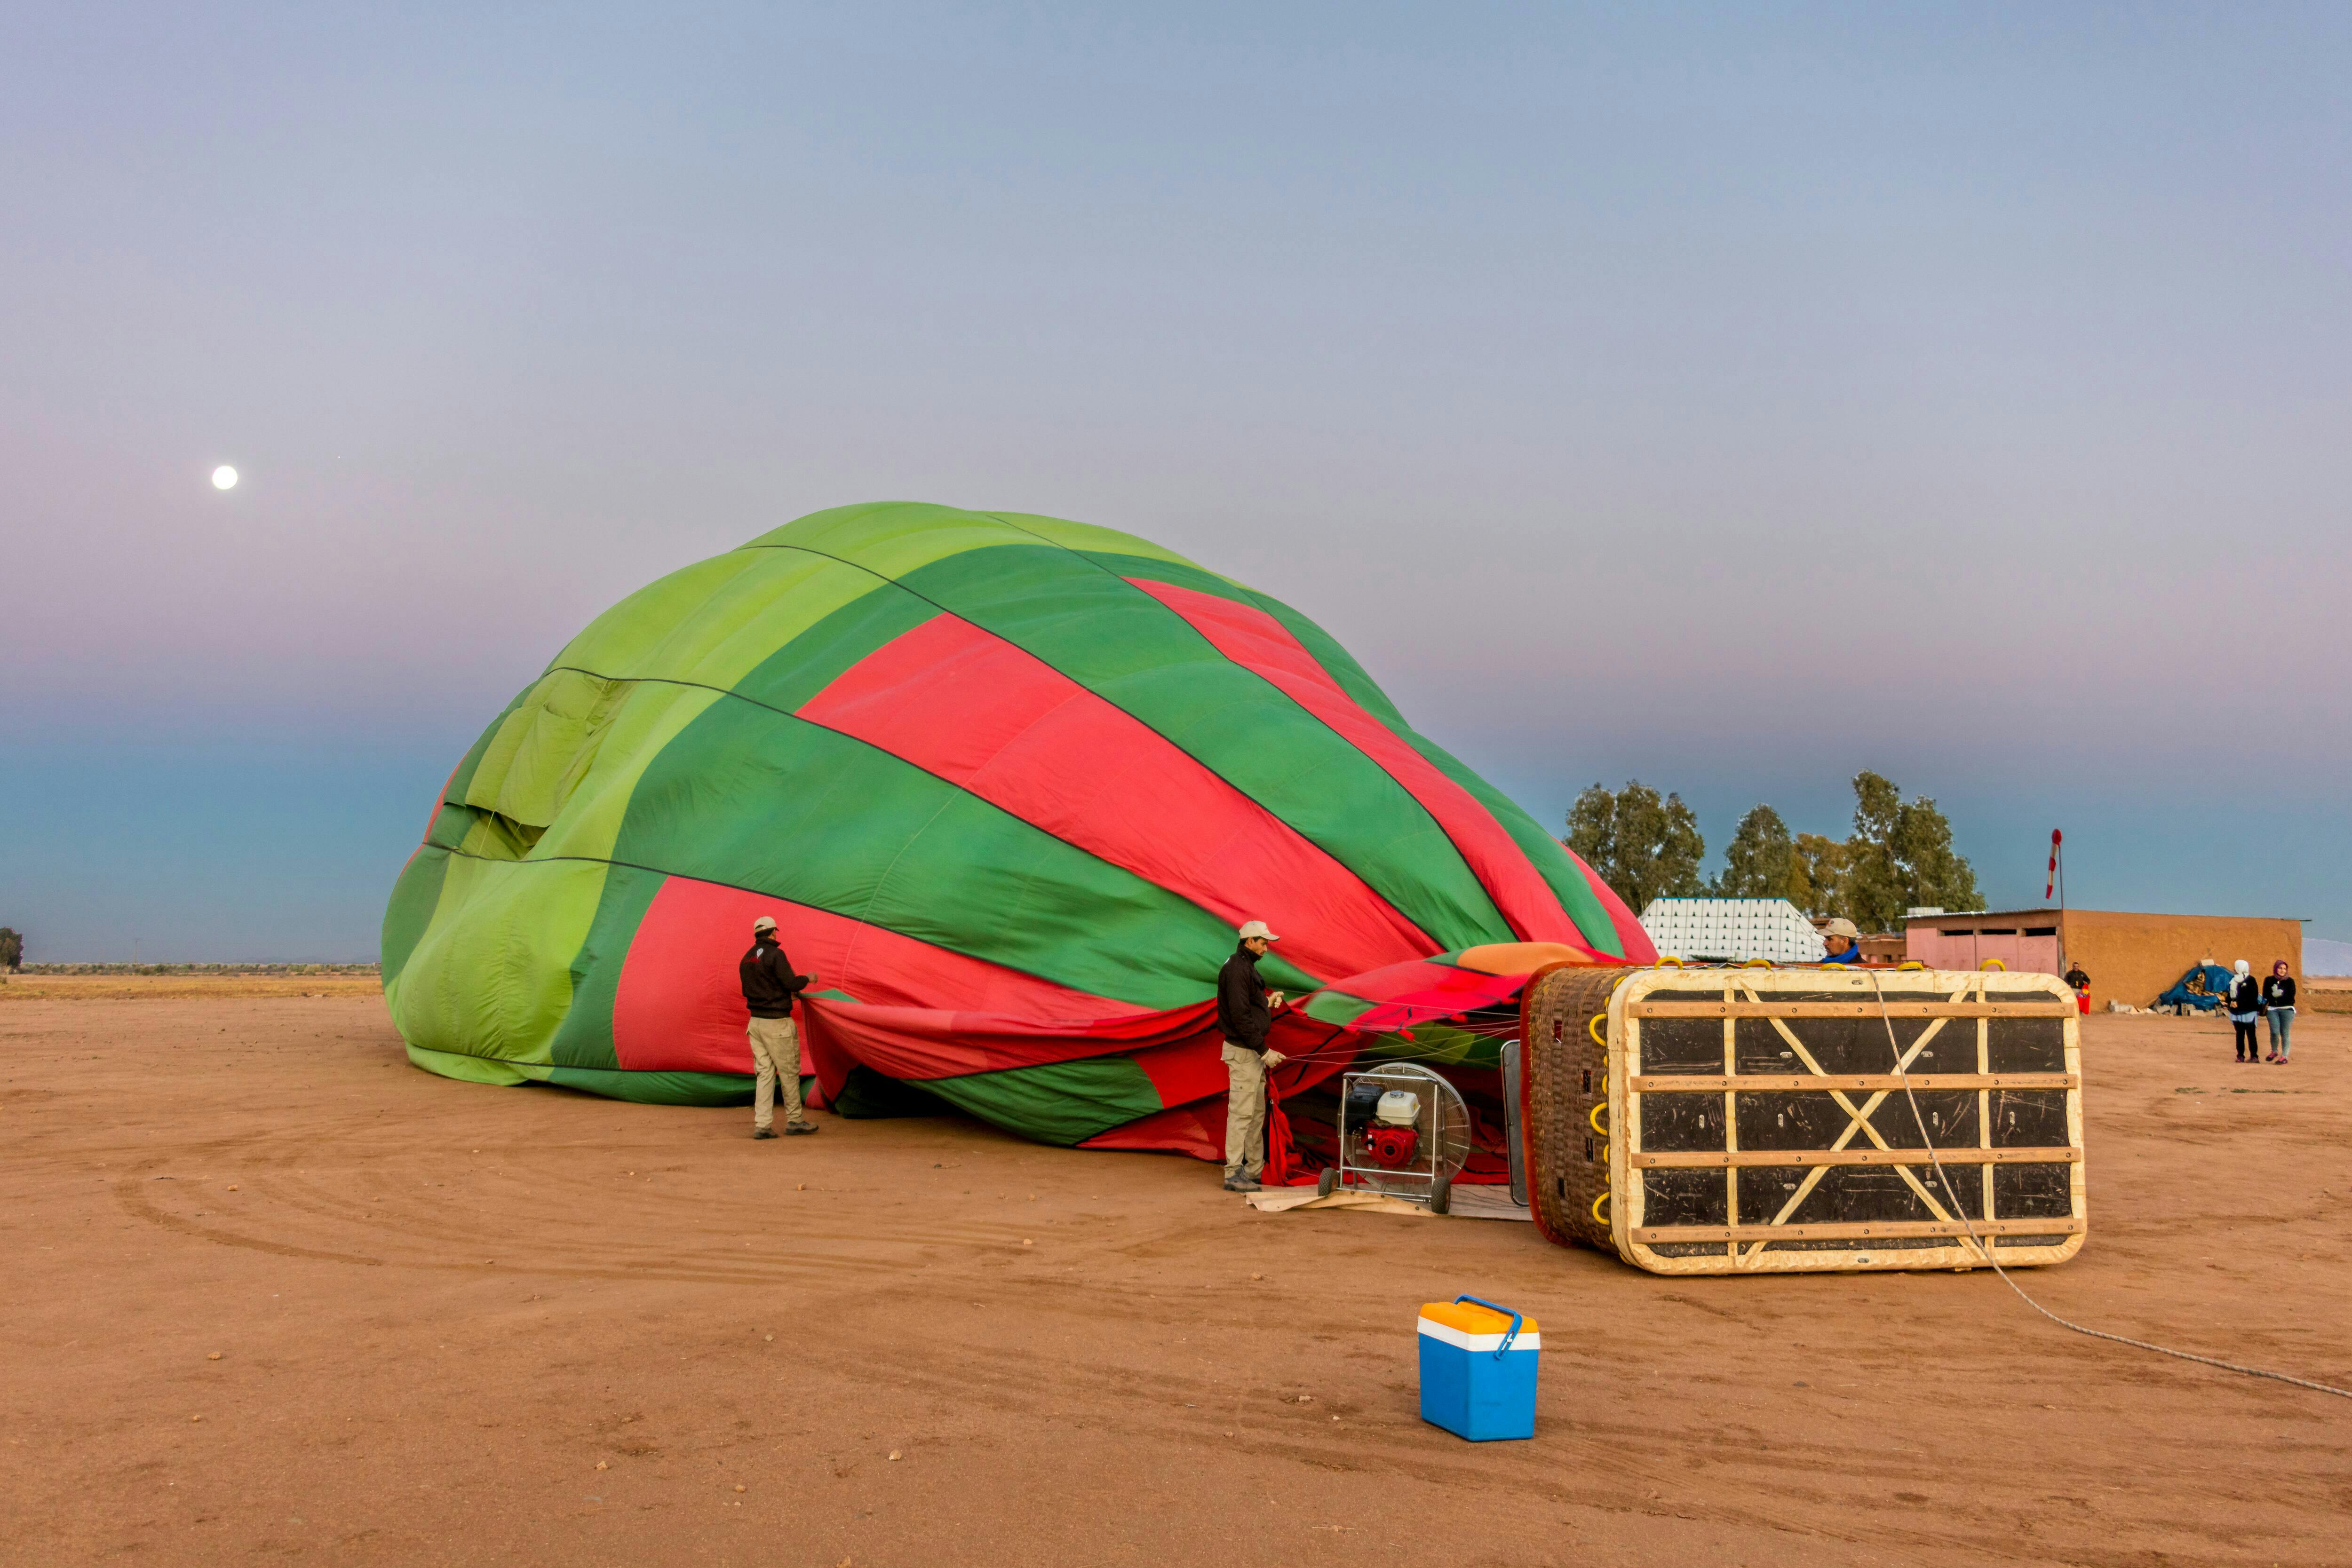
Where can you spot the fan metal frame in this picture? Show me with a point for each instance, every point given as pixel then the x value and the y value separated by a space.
pixel 1441 1109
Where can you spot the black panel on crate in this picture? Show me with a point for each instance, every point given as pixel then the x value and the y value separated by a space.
pixel 1757 1047
pixel 2025 1045
pixel 2033 1192
pixel 1800 1120
pixel 1765 1190
pixel 1682 1045
pixel 1683 1197
pixel 1950 1115
pixel 1861 1244
pixel 1681 1124
pixel 1853 1193
pixel 1860 1194
pixel 2029 1118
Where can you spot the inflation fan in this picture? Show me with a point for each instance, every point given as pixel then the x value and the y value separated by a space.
pixel 1404 1133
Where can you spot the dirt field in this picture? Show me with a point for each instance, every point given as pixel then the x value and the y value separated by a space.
pixel 39 987
pixel 466 1325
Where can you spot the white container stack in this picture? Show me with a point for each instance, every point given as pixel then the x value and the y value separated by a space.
pixel 1733 929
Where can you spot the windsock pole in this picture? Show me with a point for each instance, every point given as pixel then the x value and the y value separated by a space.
pixel 2057 883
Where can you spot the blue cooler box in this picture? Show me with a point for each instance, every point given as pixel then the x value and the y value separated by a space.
pixel 1479 1369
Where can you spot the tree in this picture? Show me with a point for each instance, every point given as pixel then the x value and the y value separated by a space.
pixel 1760 862
pixel 1901 857
pixel 1817 876
pixel 12 950
pixel 1642 846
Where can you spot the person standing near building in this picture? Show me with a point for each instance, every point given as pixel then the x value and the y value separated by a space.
pixel 2244 1001
pixel 1843 941
pixel 2278 1000
pixel 769 987
pixel 1245 1011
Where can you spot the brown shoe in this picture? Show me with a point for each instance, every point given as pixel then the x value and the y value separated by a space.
pixel 799 1129
pixel 759 1132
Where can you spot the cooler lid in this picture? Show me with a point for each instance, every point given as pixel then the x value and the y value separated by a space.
pixel 1470 1317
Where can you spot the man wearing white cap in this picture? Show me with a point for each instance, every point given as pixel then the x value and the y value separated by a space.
pixel 1843 942
pixel 769 987
pixel 1245 1011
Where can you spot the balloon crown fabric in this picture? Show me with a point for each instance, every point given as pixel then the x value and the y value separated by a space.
pixel 1008 783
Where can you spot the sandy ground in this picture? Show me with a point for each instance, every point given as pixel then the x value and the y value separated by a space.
pixel 457 1325
pixel 39 987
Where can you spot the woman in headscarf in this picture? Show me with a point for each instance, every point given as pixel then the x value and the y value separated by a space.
pixel 2245 1004
pixel 2278 1000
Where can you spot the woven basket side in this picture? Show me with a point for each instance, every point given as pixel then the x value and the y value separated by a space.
pixel 1564 1073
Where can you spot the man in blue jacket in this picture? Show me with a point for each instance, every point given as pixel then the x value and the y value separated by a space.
pixel 1844 942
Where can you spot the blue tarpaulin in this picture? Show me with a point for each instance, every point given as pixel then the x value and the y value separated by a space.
pixel 2203 988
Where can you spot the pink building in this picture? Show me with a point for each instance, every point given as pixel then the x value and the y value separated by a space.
pixel 2021 939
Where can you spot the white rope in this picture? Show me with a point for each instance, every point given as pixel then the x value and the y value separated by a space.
pixel 1985 1246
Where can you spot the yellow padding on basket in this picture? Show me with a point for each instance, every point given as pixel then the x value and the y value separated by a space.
pixel 1594 1116
pixel 1592 1026
pixel 1992 964
pixel 1596 1209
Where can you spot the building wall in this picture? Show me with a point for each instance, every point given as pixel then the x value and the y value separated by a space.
pixel 2027 941
pixel 2132 957
pixel 2129 958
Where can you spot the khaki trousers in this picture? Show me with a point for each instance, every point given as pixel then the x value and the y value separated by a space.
pixel 776 1052
pixel 1244 1112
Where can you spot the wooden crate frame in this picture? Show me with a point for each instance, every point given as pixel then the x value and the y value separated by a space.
pixel 1631 1049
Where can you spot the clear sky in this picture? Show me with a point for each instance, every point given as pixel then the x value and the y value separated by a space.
pixel 1728 397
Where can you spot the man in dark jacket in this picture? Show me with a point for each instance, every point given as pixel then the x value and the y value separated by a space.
pixel 1245 1009
pixel 769 987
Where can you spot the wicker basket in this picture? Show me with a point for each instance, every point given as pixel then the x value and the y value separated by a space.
pixel 1765 1120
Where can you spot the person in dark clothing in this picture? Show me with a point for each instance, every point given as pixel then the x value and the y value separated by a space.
pixel 2278 1001
pixel 1245 1010
pixel 2081 982
pixel 2244 1002
pixel 769 987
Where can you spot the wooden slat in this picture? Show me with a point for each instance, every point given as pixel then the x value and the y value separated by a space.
pixel 1717 1082
pixel 1887 1230
pixel 1960 1157
pixel 1865 1008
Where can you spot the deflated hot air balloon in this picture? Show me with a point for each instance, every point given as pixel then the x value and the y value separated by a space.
pixel 1008 784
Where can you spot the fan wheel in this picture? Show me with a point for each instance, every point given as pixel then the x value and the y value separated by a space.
pixel 1441 1195
pixel 1327 1184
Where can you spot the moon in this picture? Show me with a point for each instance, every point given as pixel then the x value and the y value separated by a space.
pixel 224 477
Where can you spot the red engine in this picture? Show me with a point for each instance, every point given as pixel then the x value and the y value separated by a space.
pixel 1390 1146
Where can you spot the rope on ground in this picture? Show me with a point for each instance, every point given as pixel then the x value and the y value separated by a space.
pixel 1985 1246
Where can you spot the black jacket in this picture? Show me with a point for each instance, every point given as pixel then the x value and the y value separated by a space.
pixel 768 983
pixel 1242 1012
pixel 2278 991
pixel 2244 997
